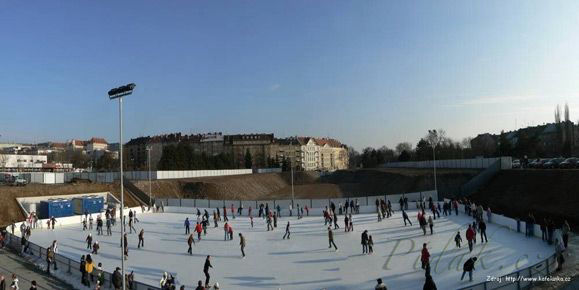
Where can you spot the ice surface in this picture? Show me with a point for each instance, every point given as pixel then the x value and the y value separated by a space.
pixel 304 261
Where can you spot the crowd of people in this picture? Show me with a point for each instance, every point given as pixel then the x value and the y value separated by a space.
pixel 428 211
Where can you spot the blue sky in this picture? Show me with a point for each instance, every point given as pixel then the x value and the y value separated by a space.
pixel 369 73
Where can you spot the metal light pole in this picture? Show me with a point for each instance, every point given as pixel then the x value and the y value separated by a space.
pixel 433 136
pixel 119 93
pixel 149 163
pixel 292 175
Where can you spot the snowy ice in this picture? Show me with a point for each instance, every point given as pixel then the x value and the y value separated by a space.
pixel 305 261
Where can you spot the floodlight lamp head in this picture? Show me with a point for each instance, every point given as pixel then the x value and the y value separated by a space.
pixel 121 91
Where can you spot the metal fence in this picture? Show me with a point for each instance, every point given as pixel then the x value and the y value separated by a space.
pixel 71 267
pixel 522 279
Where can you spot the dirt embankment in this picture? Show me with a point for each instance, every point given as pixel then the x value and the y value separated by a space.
pixel 310 184
pixel 545 193
pixel 10 210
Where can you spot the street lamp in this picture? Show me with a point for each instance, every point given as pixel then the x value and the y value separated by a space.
pixel 119 93
pixel 434 139
pixel 149 163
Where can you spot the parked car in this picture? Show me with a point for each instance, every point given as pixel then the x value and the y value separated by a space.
pixel 569 163
pixel 533 163
pixel 516 163
pixel 553 163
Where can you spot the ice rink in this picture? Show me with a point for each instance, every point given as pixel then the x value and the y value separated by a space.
pixel 304 261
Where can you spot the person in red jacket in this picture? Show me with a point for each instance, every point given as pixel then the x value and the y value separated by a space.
pixel 425 257
pixel 470 234
pixel 198 229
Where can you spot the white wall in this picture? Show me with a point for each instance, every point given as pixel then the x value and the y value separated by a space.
pixel 477 163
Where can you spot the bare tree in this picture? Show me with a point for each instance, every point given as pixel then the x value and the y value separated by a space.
pixel 403 146
pixel 558 114
pixel 566 112
pixel 434 137
pixel 465 143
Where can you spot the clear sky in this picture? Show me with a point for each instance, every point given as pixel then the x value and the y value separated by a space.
pixel 369 73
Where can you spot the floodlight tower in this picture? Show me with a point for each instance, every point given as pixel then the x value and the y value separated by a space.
pixel 119 93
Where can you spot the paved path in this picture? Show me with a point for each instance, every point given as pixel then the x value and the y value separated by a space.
pixel 570 268
pixel 26 272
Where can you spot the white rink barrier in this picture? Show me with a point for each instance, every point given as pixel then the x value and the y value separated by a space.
pixel 476 163
pixel 313 204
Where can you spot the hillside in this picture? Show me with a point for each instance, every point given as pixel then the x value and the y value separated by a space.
pixel 310 184
pixel 547 193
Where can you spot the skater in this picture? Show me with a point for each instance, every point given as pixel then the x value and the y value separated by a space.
pixel 269 226
pixel 83 279
pixel 126 246
pixel 565 229
pixel 346 223
pixel 380 285
pixel 468 267
pixel 225 219
pixel 483 231
pixel 287 231
pixel 242 245
pixel 49 259
pixel 206 267
pixel 199 230
pixel 90 221
pixel 109 230
pixel 331 239
pixel 117 279
pixel 83 225
pixel 190 242
pixel 204 225
pixel 422 221
pixel 307 210
pixel 559 255
pixel 370 245
pixel 458 239
pixel 230 231
pixel 89 269
pixel 141 239
pixel 226 230
pixel 187 226
pixel 470 234
pixel 544 230
pixel 89 241
pixel 365 242
pixel 351 224
pixel 405 217
pixel 425 257
pixel 215 218
pixel 430 224
pixel 251 220
pixel 95 248
pixel 290 210
pixel 232 211
pixel 429 282
pixel 274 220
pixel 336 226
pixel 99 225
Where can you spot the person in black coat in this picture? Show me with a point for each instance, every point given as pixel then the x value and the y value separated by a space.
pixel 429 283
pixel 468 267
pixel 206 270
pixel 117 279
pixel 365 242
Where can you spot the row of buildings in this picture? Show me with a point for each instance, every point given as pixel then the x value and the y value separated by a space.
pixel 35 157
pixel 304 153
pixel 547 140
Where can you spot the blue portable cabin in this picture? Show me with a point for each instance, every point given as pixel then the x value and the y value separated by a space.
pixel 88 204
pixel 55 208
